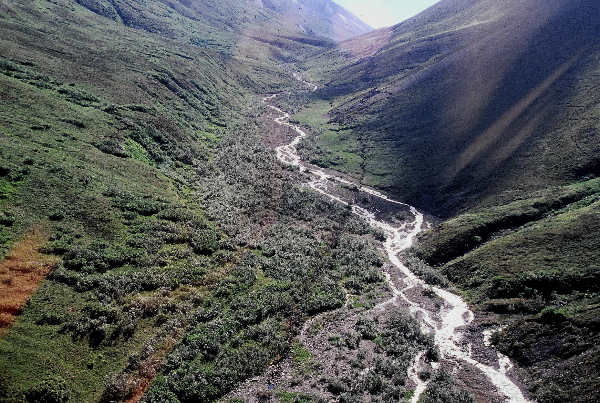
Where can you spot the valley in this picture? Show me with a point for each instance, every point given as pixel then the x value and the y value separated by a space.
pixel 442 321
pixel 411 214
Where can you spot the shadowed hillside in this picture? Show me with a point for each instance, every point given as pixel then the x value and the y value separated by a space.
pixel 485 92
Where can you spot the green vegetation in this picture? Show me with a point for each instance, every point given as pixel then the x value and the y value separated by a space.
pixel 295 397
pixel 533 264
pixel 124 256
pixel 383 350
pixel 326 146
pixel 301 356
pixel 182 259
pixel 288 273
pixel 442 388
pixel 460 235
pixel 117 118
pixel 111 114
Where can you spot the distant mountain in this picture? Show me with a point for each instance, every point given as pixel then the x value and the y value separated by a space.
pixel 494 96
pixel 322 18
pixel 316 18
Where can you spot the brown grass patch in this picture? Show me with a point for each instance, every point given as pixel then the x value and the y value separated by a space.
pixel 141 379
pixel 21 272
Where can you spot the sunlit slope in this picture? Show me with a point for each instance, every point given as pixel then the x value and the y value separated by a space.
pixel 471 98
pixel 323 18
pixel 281 18
pixel 110 114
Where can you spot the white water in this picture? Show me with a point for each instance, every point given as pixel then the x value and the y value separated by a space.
pixel 445 325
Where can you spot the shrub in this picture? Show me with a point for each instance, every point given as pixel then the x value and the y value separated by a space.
pixel 160 393
pixel 7 219
pixel 112 147
pixel 116 387
pixel 442 389
pixel 205 241
pixel 367 328
pixel 51 390
pixel 551 315
pixel 78 96
pixel 295 397
pixel 424 271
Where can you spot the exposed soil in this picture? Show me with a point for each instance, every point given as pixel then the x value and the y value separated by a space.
pixel 21 272
pixel 151 367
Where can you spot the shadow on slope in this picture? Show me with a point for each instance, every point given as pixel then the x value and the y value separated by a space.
pixel 481 104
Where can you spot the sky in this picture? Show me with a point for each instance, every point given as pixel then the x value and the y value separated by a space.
pixel 385 13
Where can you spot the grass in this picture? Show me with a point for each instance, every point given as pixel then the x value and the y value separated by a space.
pixel 32 352
pixel 294 397
pixel 534 246
pixel 61 165
pixel 105 128
pixel 459 235
pixel 327 145
pixel 303 359
pixel 562 245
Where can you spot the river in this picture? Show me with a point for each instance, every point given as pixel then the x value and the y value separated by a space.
pixel 448 324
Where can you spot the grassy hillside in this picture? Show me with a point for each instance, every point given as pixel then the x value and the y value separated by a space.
pixel 112 118
pixel 532 265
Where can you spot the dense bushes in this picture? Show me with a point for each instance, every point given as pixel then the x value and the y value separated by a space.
pixel 217 354
pixel 427 273
pixel 402 335
pixel 442 388
pixel 289 272
pixel 164 247
pixel 51 390
pixel 545 283
pixel 374 358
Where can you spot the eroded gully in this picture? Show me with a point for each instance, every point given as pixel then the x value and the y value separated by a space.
pixel 448 323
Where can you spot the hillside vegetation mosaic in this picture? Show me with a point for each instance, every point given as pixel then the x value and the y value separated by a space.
pixel 153 248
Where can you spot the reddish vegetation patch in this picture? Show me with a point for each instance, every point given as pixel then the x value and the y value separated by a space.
pixel 21 272
pixel 150 368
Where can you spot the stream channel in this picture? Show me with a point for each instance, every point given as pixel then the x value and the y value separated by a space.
pixel 450 323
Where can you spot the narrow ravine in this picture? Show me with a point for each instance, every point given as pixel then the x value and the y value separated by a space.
pixel 448 324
